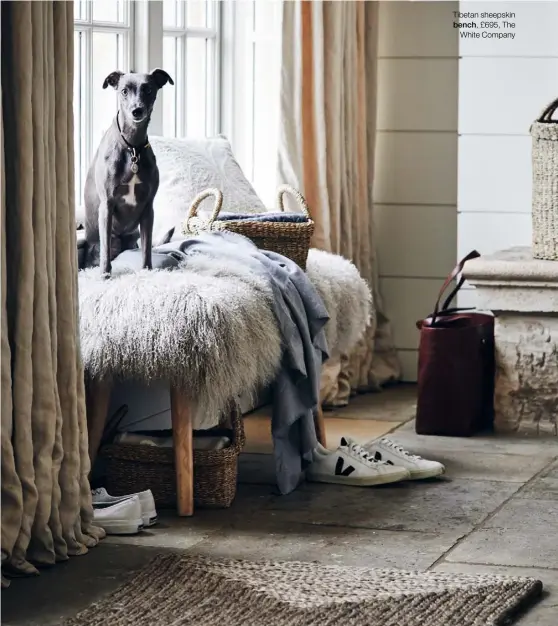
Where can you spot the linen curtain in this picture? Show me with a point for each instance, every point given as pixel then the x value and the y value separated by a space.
pixel 326 149
pixel 46 499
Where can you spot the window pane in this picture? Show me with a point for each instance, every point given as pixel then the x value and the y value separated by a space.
pixel 170 58
pixel 196 13
pixel 108 11
pixel 80 9
pixel 196 86
pixel 103 101
pixel 173 13
pixel 266 90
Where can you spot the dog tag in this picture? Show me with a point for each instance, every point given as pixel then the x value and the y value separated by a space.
pixel 135 159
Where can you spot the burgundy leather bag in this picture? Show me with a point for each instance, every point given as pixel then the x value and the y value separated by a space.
pixel 455 367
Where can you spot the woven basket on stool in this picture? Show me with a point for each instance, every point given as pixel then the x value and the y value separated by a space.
pixel 132 468
pixel 545 185
pixel 290 239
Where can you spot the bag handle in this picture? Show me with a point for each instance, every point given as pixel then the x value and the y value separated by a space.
pixel 193 210
pixel 455 272
pixel 546 115
pixel 443 313
pixel 283 189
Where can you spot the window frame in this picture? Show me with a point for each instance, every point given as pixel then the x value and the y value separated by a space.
pixel 213 35
pixel 87 26
pixel 236 33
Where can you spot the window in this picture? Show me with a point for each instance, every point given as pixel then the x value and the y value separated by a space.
pixel 251 104
pixel 191 56
pixel 103 42
pixel 222 55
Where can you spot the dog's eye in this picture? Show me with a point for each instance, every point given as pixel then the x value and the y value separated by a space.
pixel 124 92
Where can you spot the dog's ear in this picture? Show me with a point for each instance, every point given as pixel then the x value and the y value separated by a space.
pixel 161 78
pixel 113 79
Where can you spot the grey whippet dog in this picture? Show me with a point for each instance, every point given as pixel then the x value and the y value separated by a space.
pixel 123 178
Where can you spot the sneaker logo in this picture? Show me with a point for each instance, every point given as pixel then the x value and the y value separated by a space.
pixel 339 471
pixel 378 457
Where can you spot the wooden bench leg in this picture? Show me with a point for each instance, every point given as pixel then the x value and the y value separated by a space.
pixel 181 416
pixel 97 394
pixel 319 423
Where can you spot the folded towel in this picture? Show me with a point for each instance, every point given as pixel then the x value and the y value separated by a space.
pixel 205 442
pixel 295 218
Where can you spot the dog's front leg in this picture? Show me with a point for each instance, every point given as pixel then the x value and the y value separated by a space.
pixel 146 236
pixel 105 233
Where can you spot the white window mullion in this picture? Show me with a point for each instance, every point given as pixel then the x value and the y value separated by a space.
pixel 182 113
pixel 227 65
pixel 88 91
pixel 214 88
pixel 251 93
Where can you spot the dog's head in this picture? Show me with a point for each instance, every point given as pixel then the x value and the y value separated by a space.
pixel 137 92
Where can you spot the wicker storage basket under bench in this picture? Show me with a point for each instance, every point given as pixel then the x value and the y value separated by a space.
pixel 545 184
pixel 132 468
pixel 290 239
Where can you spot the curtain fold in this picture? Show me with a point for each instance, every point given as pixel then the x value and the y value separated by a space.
pixel 46 499
pixel 326 149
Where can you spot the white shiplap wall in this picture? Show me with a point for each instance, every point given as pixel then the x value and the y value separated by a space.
pixel 503 86
pixel 415 185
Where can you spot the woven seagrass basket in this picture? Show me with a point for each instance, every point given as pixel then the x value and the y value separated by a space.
pixel 132 468
pixel 545 184
pixel 290 239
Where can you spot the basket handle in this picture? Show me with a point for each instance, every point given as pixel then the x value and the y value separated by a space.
pixel 283 189
pixel 193 210
pixel 546 115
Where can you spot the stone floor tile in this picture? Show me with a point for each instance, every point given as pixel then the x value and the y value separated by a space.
pixel 256 469
pixel 259 441
pixel 552 471
pixel 485 443
pixel 474 465
pixel 62 591
pixel 394 404
pixel 523 533
pixel 429 506
pixel 534 515
pixel 268 537
pixel 544 613
pixel 182 532
pixel 543 488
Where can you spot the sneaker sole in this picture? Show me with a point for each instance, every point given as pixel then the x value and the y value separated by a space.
pixel 422 474
pixel 149 518
pixel 120 527
pixel 358 482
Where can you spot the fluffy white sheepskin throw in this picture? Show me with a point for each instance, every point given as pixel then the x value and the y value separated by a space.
pixel 206 326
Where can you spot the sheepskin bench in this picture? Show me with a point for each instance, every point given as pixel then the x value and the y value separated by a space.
pixel 207 328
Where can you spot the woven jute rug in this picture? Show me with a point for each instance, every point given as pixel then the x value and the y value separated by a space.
pixel 178 590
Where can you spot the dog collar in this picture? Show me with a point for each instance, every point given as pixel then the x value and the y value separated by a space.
pixel 135 151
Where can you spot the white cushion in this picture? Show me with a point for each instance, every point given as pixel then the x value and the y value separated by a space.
pixel 188 166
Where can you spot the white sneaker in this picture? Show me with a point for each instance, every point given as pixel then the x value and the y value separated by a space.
pixel 147 503
pixel 350 464
pixel 120 518
pixel 386 450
